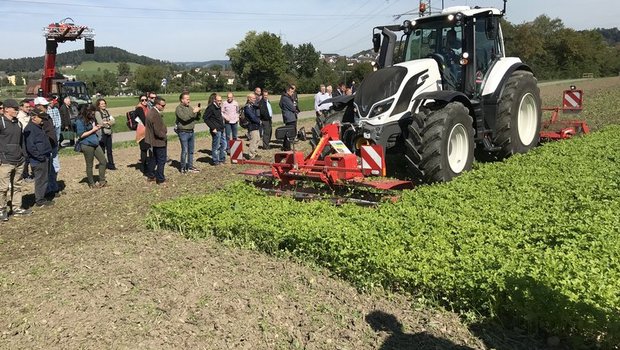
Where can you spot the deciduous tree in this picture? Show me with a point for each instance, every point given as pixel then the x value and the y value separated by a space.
pixel 258 59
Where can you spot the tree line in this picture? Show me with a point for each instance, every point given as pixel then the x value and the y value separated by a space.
pixel 556 52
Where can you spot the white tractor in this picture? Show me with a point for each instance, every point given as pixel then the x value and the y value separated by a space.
pixel 442 90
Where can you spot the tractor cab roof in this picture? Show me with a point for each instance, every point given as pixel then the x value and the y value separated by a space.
pixel 469 11
pixel 450 13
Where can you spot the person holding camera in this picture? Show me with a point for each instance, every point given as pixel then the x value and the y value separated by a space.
pixel 105 121
pixel 86 127
pixel 185 124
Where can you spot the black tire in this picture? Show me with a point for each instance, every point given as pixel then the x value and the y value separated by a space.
pixel 519 115
pixel 335 117
pixel 440 143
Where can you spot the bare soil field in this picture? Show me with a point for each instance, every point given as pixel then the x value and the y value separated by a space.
pixel 86 273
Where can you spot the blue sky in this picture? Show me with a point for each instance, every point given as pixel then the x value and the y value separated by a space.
pixel 200 30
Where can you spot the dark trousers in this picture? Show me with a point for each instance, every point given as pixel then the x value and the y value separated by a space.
pixel 266 133
pixel 106 146
pixel 145 155
pixel 157 163
pixel 40 173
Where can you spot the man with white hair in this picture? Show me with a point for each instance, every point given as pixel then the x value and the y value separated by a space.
pixel 319 97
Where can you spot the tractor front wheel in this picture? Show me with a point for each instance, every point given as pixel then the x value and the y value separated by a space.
pixel 440 144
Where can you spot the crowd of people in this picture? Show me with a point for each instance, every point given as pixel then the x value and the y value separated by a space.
pixel 31 133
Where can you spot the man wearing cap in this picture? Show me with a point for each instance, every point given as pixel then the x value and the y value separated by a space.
pixel 39 149
pixel 40 104
pixel 11 162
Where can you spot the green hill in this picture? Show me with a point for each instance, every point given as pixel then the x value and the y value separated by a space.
pixel 104 54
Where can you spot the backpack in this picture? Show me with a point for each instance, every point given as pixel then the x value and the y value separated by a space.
pixel 132 124
pixel 244 122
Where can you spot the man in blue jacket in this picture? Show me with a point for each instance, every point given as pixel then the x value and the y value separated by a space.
pixel 39 149
pixel 253 127
pixel 11 161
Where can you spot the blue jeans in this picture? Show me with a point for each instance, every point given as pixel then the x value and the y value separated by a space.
pixel 231 131
pixel 187 149
pixel 218 147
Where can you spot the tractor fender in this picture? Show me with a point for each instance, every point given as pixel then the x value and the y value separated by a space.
pixel 499 72
pixel 446 96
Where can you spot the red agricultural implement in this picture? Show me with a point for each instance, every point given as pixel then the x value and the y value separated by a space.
pixel 559 129
pixel 338 170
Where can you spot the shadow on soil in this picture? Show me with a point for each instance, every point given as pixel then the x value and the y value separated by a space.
pixel 398 340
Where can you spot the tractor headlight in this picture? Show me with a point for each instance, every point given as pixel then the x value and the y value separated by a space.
pixel 380 108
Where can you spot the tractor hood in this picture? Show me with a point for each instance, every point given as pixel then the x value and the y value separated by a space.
pixel 378 86
pixel 390 91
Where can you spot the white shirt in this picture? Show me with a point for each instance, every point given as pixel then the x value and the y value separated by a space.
pixel 320 97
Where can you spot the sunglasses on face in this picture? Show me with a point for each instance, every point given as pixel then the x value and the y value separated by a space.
pixel 162 106
pixel 142 99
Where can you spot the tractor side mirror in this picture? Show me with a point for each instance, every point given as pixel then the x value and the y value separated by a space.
pixel 491 28
pixel 376 41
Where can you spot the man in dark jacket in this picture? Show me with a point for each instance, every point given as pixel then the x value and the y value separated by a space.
pixel 249 111
pixel 215 121
pixel 155 135
pixel 67 114
pixel 11 161
pixel 39 150
pixel 266 114
pixel 289 114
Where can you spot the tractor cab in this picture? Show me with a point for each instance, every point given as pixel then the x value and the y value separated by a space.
pixel 76 90
pixel 463 41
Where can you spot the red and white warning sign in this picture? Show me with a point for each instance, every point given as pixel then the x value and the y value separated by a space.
pixel 236 150
pixel 573 100
pixel 373 160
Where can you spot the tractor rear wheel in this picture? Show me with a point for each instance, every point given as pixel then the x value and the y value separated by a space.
pixel 440 144
pixel 519 115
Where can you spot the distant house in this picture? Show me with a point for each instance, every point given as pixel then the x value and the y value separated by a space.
pixel 229 76
pixel 123 81
pixel 329 57
pixel 12 80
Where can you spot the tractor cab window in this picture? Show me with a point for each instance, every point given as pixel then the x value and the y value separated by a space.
pixel 488 46
pixel 78 91
pixel 439 41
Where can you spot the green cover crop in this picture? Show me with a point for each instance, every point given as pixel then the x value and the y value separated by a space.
pixel 534 239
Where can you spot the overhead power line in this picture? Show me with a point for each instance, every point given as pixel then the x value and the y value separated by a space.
pixel 184 11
